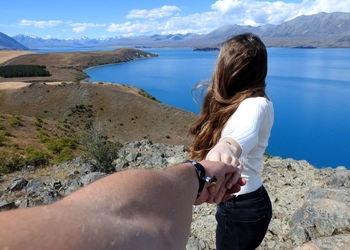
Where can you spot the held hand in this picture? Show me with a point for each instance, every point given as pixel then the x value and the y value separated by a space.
pixel 220 170
pixel 227 151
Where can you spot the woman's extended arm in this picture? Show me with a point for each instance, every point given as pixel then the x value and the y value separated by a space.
pixel 136 209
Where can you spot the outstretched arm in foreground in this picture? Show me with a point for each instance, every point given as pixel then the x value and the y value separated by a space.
pixel 136 209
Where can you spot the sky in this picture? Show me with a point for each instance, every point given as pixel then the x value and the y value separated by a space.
pixel 123 18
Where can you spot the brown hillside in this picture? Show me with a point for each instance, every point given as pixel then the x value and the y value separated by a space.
pixel 68 66
pixel 119 111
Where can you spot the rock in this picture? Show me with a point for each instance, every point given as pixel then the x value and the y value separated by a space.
pixel 196 244
pixel 319 218
pixel 35 187
pixel 338 242
pixel 1 193
pixel 154 160
pixel 337 194
pixel 56 185
pixel 72 186
pixel 29 168
pixel 341 178
pixel 23 204
pixel 5 205
pixel 119 164
pixel 74 174
pixel 86 168
pixel 122 153
pixel 91 177
pixel 132 156
pixel 176 160
pixel 18 184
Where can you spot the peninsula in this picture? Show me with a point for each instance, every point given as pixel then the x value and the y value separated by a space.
pixel 69 66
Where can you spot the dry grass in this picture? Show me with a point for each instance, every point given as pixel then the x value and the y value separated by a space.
pixel 119 111
pixel 6 55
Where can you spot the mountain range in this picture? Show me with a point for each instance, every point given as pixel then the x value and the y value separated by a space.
pixel 7 42
pixel 319 30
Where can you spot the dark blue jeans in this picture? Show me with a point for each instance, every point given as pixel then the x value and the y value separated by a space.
pixel 243 221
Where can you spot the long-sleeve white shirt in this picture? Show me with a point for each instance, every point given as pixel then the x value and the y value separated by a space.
pixel 250 127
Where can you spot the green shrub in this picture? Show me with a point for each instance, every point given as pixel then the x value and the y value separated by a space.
pixel 3 139
pixel 15 121
pixel 56 145
pixel 23 71
pixel 147 95
pixel 2 127
pixel 36 157
pixel 43 137
pixel 99 151
pixel 5 132
pixel 38 122
pixel 10 162
pixel 65 154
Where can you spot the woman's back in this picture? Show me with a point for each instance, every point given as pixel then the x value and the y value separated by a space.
pixel 250 127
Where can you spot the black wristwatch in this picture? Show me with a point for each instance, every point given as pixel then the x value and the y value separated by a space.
pixel 201 176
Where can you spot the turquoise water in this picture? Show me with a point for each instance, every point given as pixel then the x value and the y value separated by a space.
pixel 310 89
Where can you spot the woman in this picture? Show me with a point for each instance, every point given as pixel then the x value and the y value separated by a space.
pixel 234 127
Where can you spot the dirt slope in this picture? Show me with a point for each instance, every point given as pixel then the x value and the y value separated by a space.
pixel 118 110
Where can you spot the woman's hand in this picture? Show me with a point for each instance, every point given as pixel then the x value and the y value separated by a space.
pixel 220 170
pixel 227 151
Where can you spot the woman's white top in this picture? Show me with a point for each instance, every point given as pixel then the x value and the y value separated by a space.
pixel 250 127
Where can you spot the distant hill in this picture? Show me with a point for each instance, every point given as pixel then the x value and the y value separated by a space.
pixel 9 43
pixel 121 112
pixel 69 66
pixel 319 30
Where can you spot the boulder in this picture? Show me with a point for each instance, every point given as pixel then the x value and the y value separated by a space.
pixel 71 186
pixel 35 187
pixel 194 243
pixel 341 178
pixel 5 205
pixel 336 242
pixel 91 177
pixel 132 156
pixel 18 184
pixel 319 218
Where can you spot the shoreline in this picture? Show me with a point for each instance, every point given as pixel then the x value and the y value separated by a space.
pixel 136 59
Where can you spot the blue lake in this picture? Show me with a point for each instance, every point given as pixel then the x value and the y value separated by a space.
pixel 310 89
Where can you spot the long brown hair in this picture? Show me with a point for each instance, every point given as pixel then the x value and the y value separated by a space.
pixel 240 73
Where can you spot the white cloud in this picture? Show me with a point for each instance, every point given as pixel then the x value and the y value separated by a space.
pixel 81 27
pixel 40 24
pixel 168 19
pixel 315 6
pixel 164 11
pixel 255 12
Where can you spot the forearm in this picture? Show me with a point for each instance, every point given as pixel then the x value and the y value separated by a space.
pixel 121 211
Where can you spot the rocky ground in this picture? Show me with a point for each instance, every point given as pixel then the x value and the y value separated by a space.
pixel 311 207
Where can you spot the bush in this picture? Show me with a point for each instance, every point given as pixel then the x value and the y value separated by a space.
pixel 36 157
pixel 99 151
pixel 147 95
pixel 23 71
pixel 10 162
pixel 65 154
pixel 57 145
pixel 15 121
pixel 3 139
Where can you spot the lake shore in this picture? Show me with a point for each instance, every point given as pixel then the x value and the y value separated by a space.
pixel 70 66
